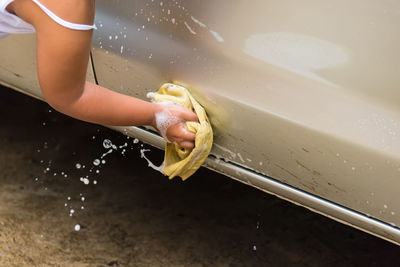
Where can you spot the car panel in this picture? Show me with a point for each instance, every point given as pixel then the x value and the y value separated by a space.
pixel 18 68
pixel 305 111
pixel 305 117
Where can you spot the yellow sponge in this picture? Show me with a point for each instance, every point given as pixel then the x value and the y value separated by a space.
pixel 177 160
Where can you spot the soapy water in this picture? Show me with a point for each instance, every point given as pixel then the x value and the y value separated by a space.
pixel 151 164
pixel 88 173
pixel 164 120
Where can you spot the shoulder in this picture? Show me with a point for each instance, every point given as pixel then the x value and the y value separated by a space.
pixel 75 11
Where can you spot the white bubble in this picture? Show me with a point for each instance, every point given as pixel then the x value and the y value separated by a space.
pixel 107 143
pixel 78 165
pixel 96 162
pixel 77 227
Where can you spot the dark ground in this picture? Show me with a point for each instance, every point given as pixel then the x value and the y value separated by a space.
pixel 134 216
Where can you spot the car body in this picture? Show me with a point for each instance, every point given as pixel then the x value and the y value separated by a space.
pixel 303 96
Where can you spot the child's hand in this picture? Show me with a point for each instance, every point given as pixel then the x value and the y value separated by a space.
pixel 169 120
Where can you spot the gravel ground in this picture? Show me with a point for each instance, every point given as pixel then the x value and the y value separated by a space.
pixel 134 216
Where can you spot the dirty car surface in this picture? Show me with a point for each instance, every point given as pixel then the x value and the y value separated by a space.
pixel 304 105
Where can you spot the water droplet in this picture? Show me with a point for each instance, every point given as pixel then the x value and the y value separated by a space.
pixel 77 227
pixel 84 180
pixel 78 166
pixel 96 162
pixel 107 143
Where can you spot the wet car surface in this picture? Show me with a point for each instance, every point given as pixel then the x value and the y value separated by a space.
pixel 134 216
pixel 303 105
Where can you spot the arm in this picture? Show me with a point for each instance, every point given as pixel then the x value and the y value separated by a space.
pixel 62 58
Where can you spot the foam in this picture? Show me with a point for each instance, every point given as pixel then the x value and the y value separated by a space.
pixel 164 120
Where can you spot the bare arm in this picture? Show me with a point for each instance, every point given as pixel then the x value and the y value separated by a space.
pixel 62 58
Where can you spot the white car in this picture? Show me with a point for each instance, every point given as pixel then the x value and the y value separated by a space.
pixel 304 97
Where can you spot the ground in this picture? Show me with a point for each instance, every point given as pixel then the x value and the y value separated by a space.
pixel 134 216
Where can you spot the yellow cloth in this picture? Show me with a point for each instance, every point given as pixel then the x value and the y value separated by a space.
pixel 177 160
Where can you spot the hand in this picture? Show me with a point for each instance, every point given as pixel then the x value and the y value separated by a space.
pixel 169 120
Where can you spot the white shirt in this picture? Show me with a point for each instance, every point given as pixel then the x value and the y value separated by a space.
pixel 10 23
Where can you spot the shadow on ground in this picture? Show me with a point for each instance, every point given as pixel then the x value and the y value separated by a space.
pixel 134 216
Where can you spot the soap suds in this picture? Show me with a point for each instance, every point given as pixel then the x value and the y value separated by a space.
pixel 232 154
pixel 217 36
pixel 164 120
pixel 201 24
pixel 151 164
pixel 188 27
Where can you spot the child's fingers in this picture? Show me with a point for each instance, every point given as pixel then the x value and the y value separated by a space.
pixel 179 132
pixel 186 134
pixel 190 116
pixel 186 144
pixel 180 135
